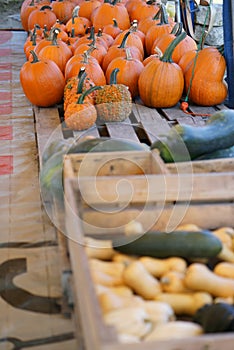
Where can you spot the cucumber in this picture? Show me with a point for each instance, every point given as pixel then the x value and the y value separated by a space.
pixel 185 142
pixel 184 244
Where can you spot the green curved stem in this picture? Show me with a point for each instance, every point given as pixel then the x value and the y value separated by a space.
pixel 169 51
pixel 34 55
pixel 86 93
pixel 113 76
pixel 81 76
pixel 123 43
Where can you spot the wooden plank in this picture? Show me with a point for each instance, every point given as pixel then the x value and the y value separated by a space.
pixel 122 130
pixel 203 166
pixel 151 121
pixel 48 127
pixel 207 216
pixel 94 331
pixel 211 342
pixel 154 188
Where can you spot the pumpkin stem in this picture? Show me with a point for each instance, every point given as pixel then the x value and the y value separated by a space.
pixel 91 34
pixel 114 2
pixel 164 15
pixel 54 36
pixel 75 13
pixel 220 48
pixel 86 93
pixel 168 53
pixel 115 24
pixel 128 54
pixel 34 56
pixel 45 32
pixel 158 14
pixel 45 7
pixel 81 76
pixel 113 76
pixel 124 41
pixel 177 29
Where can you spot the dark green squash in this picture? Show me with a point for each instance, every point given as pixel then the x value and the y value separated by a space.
pixel 187 142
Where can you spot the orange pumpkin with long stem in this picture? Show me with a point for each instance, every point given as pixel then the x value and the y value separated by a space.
pixel 78 23
pixel 81 115
pixel 42 82
pixel 184 46
pixel 98 52
pixel 161 82
pixel 129 71
pixel 133 38
pixel 119 51
pixel 157 30
pixel 92 68
pixel 56 51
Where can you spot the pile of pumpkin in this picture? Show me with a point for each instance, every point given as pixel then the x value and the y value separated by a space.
pixel 164 296
pixel 156 60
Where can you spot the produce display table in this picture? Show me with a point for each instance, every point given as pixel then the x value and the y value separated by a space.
pixel 34 252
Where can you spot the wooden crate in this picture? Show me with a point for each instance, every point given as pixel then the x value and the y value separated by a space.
pixel 96 334
pixel 117 187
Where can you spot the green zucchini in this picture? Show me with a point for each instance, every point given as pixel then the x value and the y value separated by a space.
pixel 221 153
pixel 106 144
pixel 184 244
pixel 186 142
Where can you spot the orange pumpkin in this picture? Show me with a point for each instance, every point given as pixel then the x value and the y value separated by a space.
pixel 63 9
pixel 27 7
pixel 105 13
pixel 145 9
pixel 112 29
pixel 133 38
pixel 42 82
pixel 42 16
pixel 92 68
pixel 129 71
pixel 87 7
pixel 77 23
pixel 204 78
pixel 161 82
pixel 56 51
pixel 119 50
pixel 157 30
pixel 184 46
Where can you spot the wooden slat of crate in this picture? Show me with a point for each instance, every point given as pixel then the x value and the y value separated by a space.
pixel 204 166
pixel 167 217
pixel 154 188
pixel 96 334
pixel 113 163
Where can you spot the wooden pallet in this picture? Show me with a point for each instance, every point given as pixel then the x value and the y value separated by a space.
pixel 143 125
